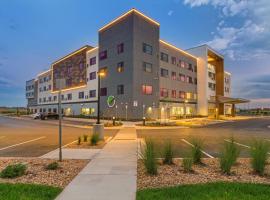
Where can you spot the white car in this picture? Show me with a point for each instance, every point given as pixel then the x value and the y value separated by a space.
pixel 36 116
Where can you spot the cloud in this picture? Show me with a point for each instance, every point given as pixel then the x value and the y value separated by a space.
pixel 249 38
pixel 170 12
pixel 5 82
pixel 228 7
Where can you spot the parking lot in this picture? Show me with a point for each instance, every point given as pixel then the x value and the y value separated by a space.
pixel 213 136
pixel 31 138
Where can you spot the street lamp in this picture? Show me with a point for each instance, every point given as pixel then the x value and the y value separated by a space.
pixel 185 109
pixel 126 110
pixel 143 106
pixel 100 74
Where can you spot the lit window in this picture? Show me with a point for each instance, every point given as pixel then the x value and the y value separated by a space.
pixel 120 67
pixel 120 48
pixel 147 67
pixel 173 93
pixel 164 92
pixel 93 60
pixel 181 94
pixel 188 95
pixel 147 48
pixel 147 89
pixel 103 55
pixel 173 75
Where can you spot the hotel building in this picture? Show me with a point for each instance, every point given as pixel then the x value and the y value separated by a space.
pixel 146 76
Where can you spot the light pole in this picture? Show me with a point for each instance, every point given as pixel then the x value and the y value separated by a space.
pixel 116 112
pixel 126 110
pixel 185 109
pixel 143 106
pixel 100 74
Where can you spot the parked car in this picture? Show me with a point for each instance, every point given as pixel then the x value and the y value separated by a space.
pixel 49 116
pixel 36 116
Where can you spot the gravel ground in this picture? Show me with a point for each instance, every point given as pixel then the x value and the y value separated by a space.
pixel 208 172
pixel 37 174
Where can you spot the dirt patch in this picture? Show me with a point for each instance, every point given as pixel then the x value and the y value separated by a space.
pixel 37 174
pixel 171 175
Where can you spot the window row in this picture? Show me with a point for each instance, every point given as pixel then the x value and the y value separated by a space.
pixel 29 87
pixel 165 93
pixel 45 88
pixel 45 79
pixel 212 86
pixel 180 77
pixel 104 54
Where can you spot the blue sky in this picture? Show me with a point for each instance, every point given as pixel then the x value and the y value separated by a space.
pixel 34 33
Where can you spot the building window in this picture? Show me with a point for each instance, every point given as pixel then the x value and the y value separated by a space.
pixel 164 72
pixel 212 76
pixel 173 60
pixel 182 77
pixel 120 89
pixel 103 55
pixel 69 96
pixel 147 48
pixel 147 67
pixel 39 100
pixel 189 79
pixel 103 91
pixel 173 75
pixel 44 99
pixel 173 93
pixel 190 68
pixel 92 93
pixel 120 67
pixel 195 81
pixel 182 63
pixel 62 97
pixel 50 99
pixel 164 92
pixel 212 86
pixel 54 98
pixel 50 87
pixel 188 95
pixel 164 57
pixel 120 48
pixel 93 60
pixel 81 95
pixel 92 75
pixel 181 94
pixel 147 89
pixel 104 70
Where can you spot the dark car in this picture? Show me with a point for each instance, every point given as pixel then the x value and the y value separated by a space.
pixel 49 116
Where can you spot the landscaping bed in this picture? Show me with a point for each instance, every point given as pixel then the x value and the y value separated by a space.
pixel 87 144
pixel 209 171
pixel 221 191
pixel 36 172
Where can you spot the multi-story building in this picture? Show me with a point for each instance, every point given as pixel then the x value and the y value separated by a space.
pixel 146 76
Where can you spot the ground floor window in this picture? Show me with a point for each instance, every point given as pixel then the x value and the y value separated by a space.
pixel 87 111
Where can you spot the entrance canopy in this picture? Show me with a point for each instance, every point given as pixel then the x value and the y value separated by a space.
pixel 230 100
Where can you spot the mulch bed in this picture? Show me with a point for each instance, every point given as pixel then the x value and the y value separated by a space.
pixel 87 145
pixel 209 171
pixel 37 174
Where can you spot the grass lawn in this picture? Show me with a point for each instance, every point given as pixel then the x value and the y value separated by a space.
pixel 27 192
pixel 210 191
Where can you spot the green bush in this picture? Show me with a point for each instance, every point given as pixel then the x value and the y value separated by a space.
pixel 85 138
pixel 168 153
pixel 52 166
pixel 149 157
pixel 228 156
pixel 196 152
pixel 259 155
pixel 13 171
pixel 79 140
pixel 187 164
pixel 94 139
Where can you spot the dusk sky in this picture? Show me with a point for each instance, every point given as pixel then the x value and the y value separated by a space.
pixel 34 33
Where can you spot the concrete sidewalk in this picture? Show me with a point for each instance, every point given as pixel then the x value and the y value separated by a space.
pixel 112 174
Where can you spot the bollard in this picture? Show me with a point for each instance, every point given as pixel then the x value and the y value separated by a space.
pixel 113 121
pixel 143 121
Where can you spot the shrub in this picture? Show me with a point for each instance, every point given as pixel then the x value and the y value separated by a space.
pixel 187 164
pixel 85 138
pixel 196 152
pixel 79 140
pixel 149 157
pixel 13 171
pixel 94 139
pixel 259 155
pixel 228 156
pixel 168 153
pixel 52 166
